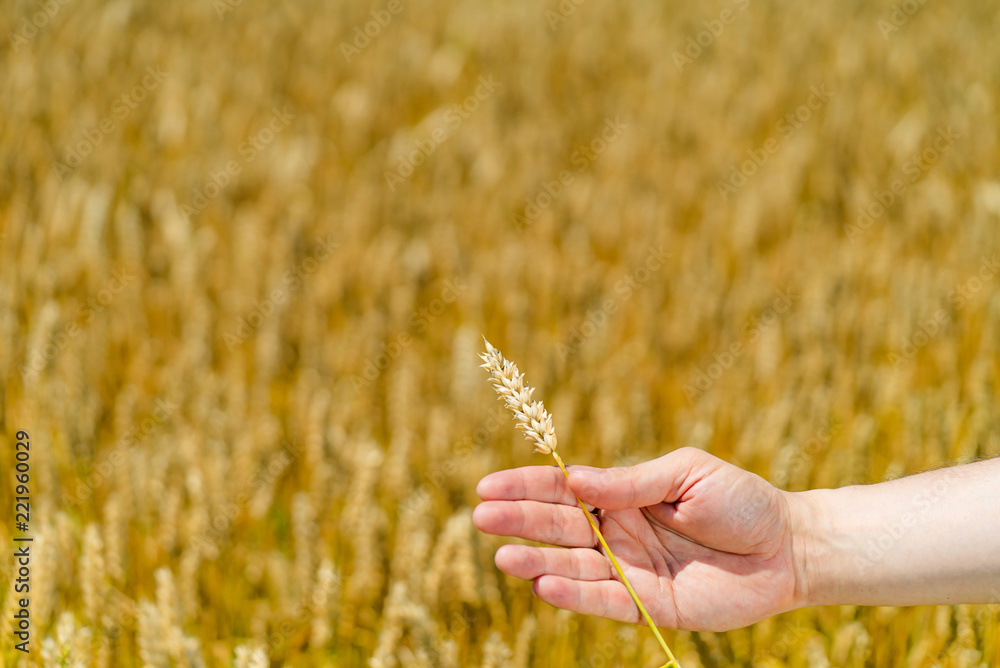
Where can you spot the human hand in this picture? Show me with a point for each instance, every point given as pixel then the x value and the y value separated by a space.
pixel 705 544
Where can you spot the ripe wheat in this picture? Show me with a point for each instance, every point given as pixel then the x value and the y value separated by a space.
pixel 162 414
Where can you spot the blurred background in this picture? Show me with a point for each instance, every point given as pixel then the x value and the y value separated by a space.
pixel 248 250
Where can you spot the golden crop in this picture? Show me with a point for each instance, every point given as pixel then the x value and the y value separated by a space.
pixel 248 249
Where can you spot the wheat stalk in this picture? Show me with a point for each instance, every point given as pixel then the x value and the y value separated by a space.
pixel 536 422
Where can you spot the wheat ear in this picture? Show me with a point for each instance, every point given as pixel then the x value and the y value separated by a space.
pixel 536 422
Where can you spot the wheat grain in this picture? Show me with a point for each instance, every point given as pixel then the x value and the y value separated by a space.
pixel 64 648
pixel 367 574
pixel 523 643
pixel 452 560
pixel 413 540
pixel 496 653
pixel 417 659
pixel 168 614
pixel 170 515
pixel 437 436
pixel 392 628
pixel 45 566
pixel 61 540
pixel 422 626
pixel 489 587
pixel 250 656
pixel 316 459
pixel 815 653
pixel 92 574
pixel 113 539
pixel 187 582
pixel 448 653
pixel 531 415
pixel 395 478
pixel 463 571
pixel 7 614
pixel 368 457
pixel 304 535
pixel 323 603
pixel 463 382
pixel 190 655
pixel 151 643
pixel 396 481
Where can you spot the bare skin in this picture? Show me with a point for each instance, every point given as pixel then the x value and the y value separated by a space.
pixel 709 546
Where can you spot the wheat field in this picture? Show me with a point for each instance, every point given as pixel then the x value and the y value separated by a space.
pixel 248 250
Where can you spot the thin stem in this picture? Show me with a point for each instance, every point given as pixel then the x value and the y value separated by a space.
pixel 672 662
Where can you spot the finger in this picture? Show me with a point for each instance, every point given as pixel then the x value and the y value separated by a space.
pixel 536 483
pixel 543 522
pixel 528 563
pixel 605 598
pixel 646 484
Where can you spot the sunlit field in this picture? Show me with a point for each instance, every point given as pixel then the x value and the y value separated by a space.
pixel 248 251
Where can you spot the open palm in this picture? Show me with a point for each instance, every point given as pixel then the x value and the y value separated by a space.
pixel 706 545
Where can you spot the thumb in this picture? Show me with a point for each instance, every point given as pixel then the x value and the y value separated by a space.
pixel 615 488
pixel 647 484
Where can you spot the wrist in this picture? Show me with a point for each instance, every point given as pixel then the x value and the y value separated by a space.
pixel 813 548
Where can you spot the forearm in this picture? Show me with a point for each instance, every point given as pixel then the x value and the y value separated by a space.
pixel 932 538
